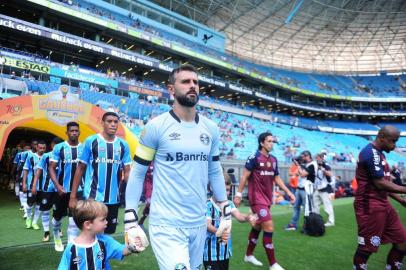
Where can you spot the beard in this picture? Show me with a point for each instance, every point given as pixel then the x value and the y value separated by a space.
pixel 186 101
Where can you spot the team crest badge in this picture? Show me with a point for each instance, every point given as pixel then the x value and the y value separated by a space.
pixel 268 164
pixel 375 241
pixel 44 201
pixel 204 138
pixel 100 255
pixel 263 212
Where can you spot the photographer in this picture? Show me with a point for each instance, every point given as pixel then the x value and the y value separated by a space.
pixel 323 188
pixel 307 169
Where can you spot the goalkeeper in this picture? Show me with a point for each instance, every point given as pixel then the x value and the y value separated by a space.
pixel 261 171
pixel 185 149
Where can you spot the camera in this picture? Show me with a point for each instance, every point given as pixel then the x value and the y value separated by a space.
pixel 297 159
pixel 321 163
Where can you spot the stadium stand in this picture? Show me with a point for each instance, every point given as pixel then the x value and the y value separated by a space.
pixel 239 132
pixel 363 86
pixel 284 124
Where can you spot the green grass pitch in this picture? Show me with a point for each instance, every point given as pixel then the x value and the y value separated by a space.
pixel 22 249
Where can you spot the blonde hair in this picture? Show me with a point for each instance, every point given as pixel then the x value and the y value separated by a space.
pixel 88 210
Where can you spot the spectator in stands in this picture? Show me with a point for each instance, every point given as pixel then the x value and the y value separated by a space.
pixel 242 144
pixel 222 153
pixel 231 154
pixel 288 154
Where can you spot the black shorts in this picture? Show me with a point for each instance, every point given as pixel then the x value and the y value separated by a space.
pixel 216 265
pixel 112 218
pixel 33 199
pixel 47 200
pixel 61 207
pixel 19 179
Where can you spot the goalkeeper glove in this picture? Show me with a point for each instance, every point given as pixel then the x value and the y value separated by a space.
pixel 135 238
pixel 225 220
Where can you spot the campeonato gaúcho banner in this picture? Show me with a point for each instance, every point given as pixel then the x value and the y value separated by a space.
pixel 50 113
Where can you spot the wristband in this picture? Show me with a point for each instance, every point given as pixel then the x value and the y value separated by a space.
pixel 238 194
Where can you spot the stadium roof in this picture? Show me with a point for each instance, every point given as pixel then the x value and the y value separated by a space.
pixel 341 36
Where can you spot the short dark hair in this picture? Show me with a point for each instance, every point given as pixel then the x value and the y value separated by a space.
pixel 262 137
pixel 71 124
pixel 56 140
pixel 306 153
pixel 109 114
pixel 186 67
pixel 41 142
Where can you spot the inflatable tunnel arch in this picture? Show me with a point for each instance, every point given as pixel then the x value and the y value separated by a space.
pixel 51 113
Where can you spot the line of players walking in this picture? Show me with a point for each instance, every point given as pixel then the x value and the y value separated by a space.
pixel 57 178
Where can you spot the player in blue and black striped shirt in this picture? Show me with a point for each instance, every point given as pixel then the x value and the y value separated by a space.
pixel 92 249
pixel 65 157
pixel 46 188
pixel 217 252
pixel 105 158
pixel 23 156
pixel 16 172
pixel 29 170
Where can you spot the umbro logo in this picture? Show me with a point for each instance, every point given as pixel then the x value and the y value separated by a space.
pixel 174 136
pixel 77 260
pixel 100 255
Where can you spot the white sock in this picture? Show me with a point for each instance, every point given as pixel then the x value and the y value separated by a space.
pixel 56 227
pixel 23 201
pixel 73 230
pixel 28 210
pixel 45 220
pixel 17 190
pixel 37 213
